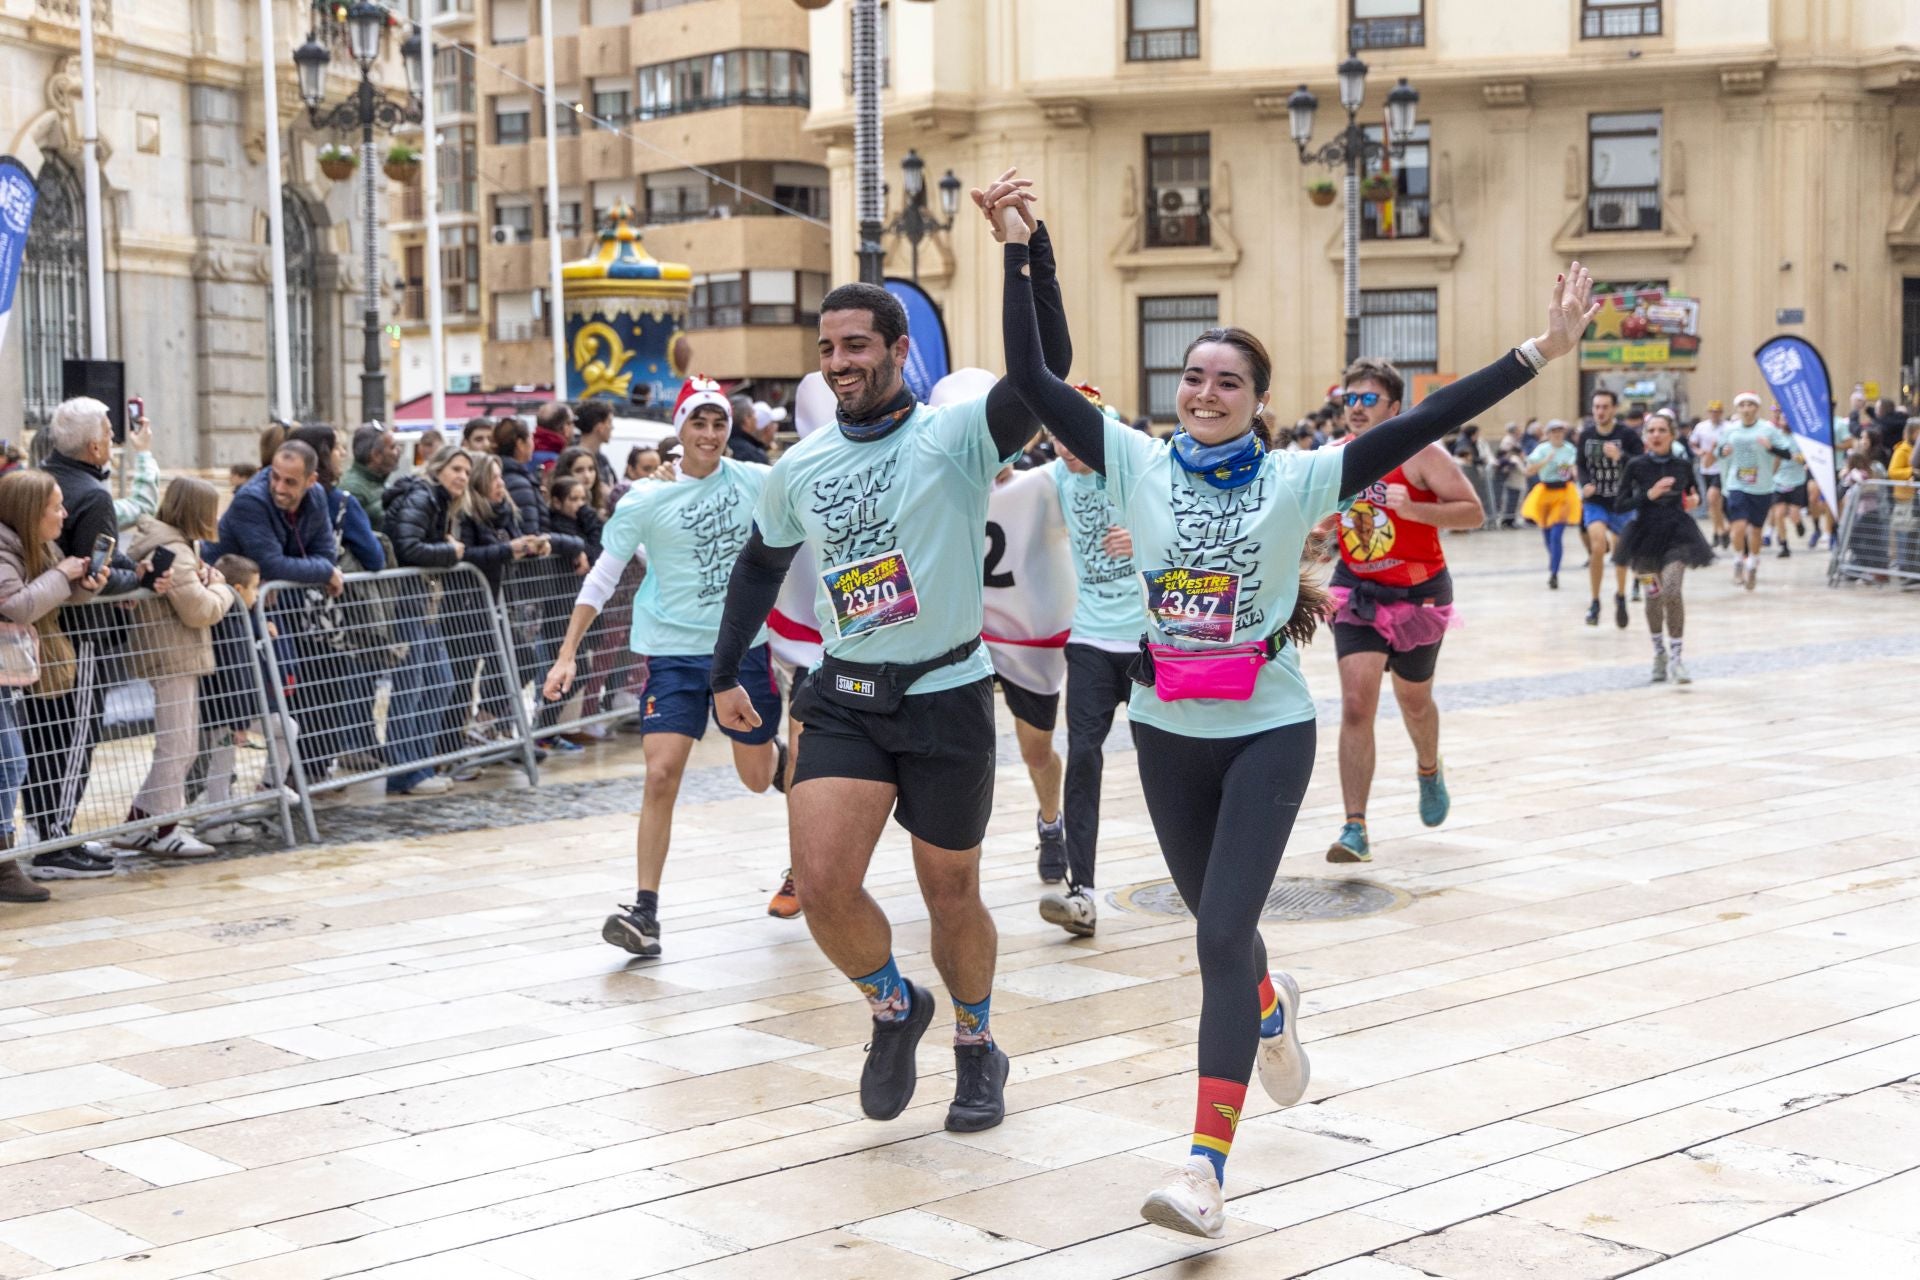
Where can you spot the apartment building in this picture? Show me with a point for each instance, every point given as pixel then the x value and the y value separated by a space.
pixel 692 111
pixel 1758 160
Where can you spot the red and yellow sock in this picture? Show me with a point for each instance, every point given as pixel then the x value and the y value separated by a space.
pixel 1272 1020
pixel 1216 1116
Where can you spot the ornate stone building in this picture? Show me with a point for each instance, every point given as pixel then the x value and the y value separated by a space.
pixel 184 197
pixel 1760 157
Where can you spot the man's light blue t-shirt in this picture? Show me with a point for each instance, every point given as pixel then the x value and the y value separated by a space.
pixel 1750 461
pixel 898 527
pixel 693 531
pixel 1109 604
pixel 1220 567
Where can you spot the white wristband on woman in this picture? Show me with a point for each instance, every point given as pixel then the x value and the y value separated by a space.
pixel 1530 352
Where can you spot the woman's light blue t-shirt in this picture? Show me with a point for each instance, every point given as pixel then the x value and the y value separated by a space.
pixel 1223 565
pixel 1109 603
pixel 1556 464
pixel 898 527
pixel 693 531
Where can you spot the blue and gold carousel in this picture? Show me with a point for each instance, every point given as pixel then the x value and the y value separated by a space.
pixel 626 319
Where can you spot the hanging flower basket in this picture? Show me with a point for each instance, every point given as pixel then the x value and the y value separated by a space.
pixel 1376 189
pixel 1321 192
pixel 338 162
pixel 403 163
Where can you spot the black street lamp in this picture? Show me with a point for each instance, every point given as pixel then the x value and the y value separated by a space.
pixel 366 28
pixel 914 222
pixel 1350 150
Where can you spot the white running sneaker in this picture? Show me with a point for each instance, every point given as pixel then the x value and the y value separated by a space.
pixel 227 833
pixel 1680 675
pixel 1190 1202
pixel 1283 1066
pixel 177 843
pixel 1072 911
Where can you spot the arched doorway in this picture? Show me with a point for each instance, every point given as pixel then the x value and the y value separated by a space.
pixel 53 287
pixel 302 279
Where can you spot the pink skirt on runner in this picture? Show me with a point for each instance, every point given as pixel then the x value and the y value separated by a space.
pixel 1406 624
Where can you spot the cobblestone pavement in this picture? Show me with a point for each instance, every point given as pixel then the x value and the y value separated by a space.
pixel 1648 1003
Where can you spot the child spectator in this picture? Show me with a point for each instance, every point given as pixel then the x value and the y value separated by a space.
pixel 228 702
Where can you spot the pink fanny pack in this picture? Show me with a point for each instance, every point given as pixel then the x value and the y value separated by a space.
pixel 1228 674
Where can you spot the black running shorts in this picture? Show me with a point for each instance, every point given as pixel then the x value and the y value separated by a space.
pixel 937 750
pixel 1413 665
pixel 1041 710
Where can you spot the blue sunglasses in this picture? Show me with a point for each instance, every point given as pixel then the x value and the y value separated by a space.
pixel 1367 398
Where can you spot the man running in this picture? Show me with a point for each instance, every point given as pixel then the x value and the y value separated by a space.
pixel 899 713
pixel 1604 447
pixel 692 528
pixel 1395 602
pixel 1704 443
pixel 1750 449
pixel 1105 637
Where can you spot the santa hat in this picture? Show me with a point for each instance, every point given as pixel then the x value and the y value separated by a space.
pixel 699 393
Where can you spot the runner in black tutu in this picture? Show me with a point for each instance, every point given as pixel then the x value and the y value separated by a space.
pixel 1663 540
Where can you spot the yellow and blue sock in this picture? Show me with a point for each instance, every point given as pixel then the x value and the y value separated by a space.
pixel 970 1021
pixel 1273 1019
pixel 1216 1116
pixel 887 993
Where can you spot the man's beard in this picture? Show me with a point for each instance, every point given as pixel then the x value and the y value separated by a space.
pixel 874 394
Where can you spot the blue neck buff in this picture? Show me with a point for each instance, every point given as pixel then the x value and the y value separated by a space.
pixel 884 423
pixel 1224 466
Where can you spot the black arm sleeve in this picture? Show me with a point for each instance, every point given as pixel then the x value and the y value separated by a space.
pixel 752 591
pixel 1011 419
pixel 1381 449
pixel 1083 427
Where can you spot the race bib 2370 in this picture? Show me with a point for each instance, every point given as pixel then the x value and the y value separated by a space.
pixel 870 594
pixel 1193 604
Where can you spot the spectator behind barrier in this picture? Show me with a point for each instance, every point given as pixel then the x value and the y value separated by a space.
pixel 376 452
pixel 642 462
pixel 228 702
pixel 35 580
pixel 552 432
pixel 61 731
pixel 238 474
pixel 272 436
pixel 476 437
pixel 580 464
pixel 143 491
pixel 429 443
pixel 595 420
pixel 281 521
pixel 421 510
pixel 514 445
pixel 172 647
pixel 569 513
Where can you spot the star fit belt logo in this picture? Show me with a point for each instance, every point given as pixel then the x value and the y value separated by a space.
pixel 1230 1114
pixel 858 688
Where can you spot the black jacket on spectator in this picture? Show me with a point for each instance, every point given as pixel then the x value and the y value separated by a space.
pixel 83 488
pixel 417 524
pixel 294 547
pixel 744 448
pixel 582 530
pixel 523 489
pixel 489 546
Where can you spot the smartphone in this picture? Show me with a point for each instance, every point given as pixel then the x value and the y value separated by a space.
pixel 162 561
pixel 136 410
pixel 102 552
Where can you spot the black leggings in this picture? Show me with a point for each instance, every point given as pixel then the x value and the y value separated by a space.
pixel 1097 686
pixel 1222 809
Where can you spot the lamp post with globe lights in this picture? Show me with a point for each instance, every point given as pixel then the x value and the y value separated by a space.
pixel 1350 150
pixel 366 25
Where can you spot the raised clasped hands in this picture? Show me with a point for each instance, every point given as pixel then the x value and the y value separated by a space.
pixel 1007 203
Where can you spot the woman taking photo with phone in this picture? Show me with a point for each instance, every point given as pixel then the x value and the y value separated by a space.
pixel 35 580
pixel 1222 719
pixel 170 645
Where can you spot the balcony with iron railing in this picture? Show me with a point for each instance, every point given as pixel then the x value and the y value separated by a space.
pixel 1406 221
pixel 1163 46
pixel 1624 209
pixel 1388 33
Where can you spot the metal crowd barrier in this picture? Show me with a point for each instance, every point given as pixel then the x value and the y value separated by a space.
pixel 1879 535
pixel 405 672
pixel 126 738
pixel 537 596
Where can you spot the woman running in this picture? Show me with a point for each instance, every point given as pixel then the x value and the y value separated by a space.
pixel 1554 503
pixel 1224 727
pixel 1663 541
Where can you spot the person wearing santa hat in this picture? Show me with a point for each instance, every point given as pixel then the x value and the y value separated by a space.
pixel 692 528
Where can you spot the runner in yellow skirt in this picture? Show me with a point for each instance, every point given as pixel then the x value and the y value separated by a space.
pixel 1554 503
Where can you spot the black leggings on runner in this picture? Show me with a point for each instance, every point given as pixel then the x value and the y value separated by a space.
pixel 1666 605
pixel 1222 809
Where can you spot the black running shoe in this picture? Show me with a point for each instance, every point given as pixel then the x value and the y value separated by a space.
pixel 886 1082
pixel 1786 551
pixel 979 1088
pixel 1553 582
pixel 69 864
pixel 780 765
pixel 1053 850
pixel 635 931
pixel 1620 612
pixel 1593 614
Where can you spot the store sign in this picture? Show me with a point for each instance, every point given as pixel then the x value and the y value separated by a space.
pixel 1642 326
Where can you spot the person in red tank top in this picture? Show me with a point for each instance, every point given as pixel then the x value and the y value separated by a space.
pixel 1394 603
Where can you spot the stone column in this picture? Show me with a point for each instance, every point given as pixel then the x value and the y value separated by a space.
pixel 230 318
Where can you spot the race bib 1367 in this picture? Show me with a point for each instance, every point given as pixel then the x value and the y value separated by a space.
pixel 1193 604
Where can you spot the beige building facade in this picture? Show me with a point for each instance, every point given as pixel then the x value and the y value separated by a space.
pixel 1760 158
pixel 691 111
pixel 184 194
